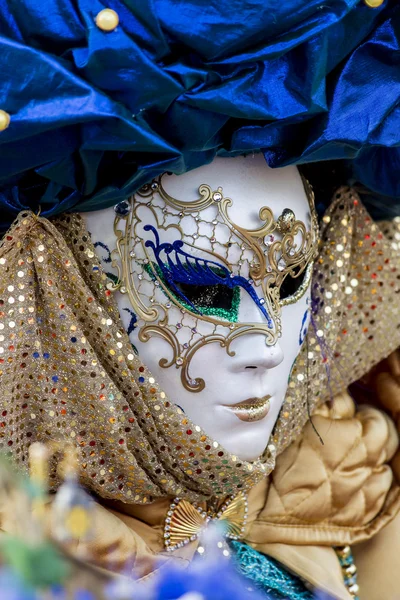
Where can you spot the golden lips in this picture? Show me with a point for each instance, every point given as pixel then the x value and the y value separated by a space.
pixel 253 409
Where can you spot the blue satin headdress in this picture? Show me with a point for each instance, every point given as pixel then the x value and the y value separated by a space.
pixel 95 114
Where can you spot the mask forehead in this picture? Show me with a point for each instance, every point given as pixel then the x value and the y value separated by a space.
pixel 253 186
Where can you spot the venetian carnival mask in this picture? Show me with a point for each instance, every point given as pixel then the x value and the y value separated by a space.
pixel 217 276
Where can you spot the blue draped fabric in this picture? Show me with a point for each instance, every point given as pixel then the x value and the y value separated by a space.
pixel 95 115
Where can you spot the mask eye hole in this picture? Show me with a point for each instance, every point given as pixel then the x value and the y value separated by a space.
pixel 291 284
pixel 294 286
pixel 217 296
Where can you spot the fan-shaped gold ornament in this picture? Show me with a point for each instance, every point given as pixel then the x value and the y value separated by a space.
pixel 234 514
pixel 185 521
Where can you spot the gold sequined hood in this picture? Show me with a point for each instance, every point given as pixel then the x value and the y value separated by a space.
pixel 68 372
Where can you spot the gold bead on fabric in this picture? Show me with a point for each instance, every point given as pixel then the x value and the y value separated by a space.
pixel 4 120
pixel 107 19
pixel 374 3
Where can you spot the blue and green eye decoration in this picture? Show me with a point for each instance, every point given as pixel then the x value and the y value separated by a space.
pixel 203 286
pixel 213 301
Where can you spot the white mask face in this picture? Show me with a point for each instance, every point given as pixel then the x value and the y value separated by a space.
pixel 234 385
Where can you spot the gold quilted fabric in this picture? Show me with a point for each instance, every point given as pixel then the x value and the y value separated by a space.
pixel 334 493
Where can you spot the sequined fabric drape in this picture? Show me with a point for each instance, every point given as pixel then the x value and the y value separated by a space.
pixel 68 372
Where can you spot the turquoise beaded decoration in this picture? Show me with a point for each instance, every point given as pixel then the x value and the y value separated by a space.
pixel 268 575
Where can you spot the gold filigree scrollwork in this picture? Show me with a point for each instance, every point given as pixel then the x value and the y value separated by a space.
pixel 300 292
pixel 207 198
pixel 162 331
pixel 249 236
pixel 293 251
pixel 197 384
pixel 183 360
pixel 123 247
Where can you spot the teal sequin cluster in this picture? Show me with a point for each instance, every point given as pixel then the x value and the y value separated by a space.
pixel 268 575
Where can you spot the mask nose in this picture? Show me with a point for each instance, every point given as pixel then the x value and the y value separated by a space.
pixel 252 354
